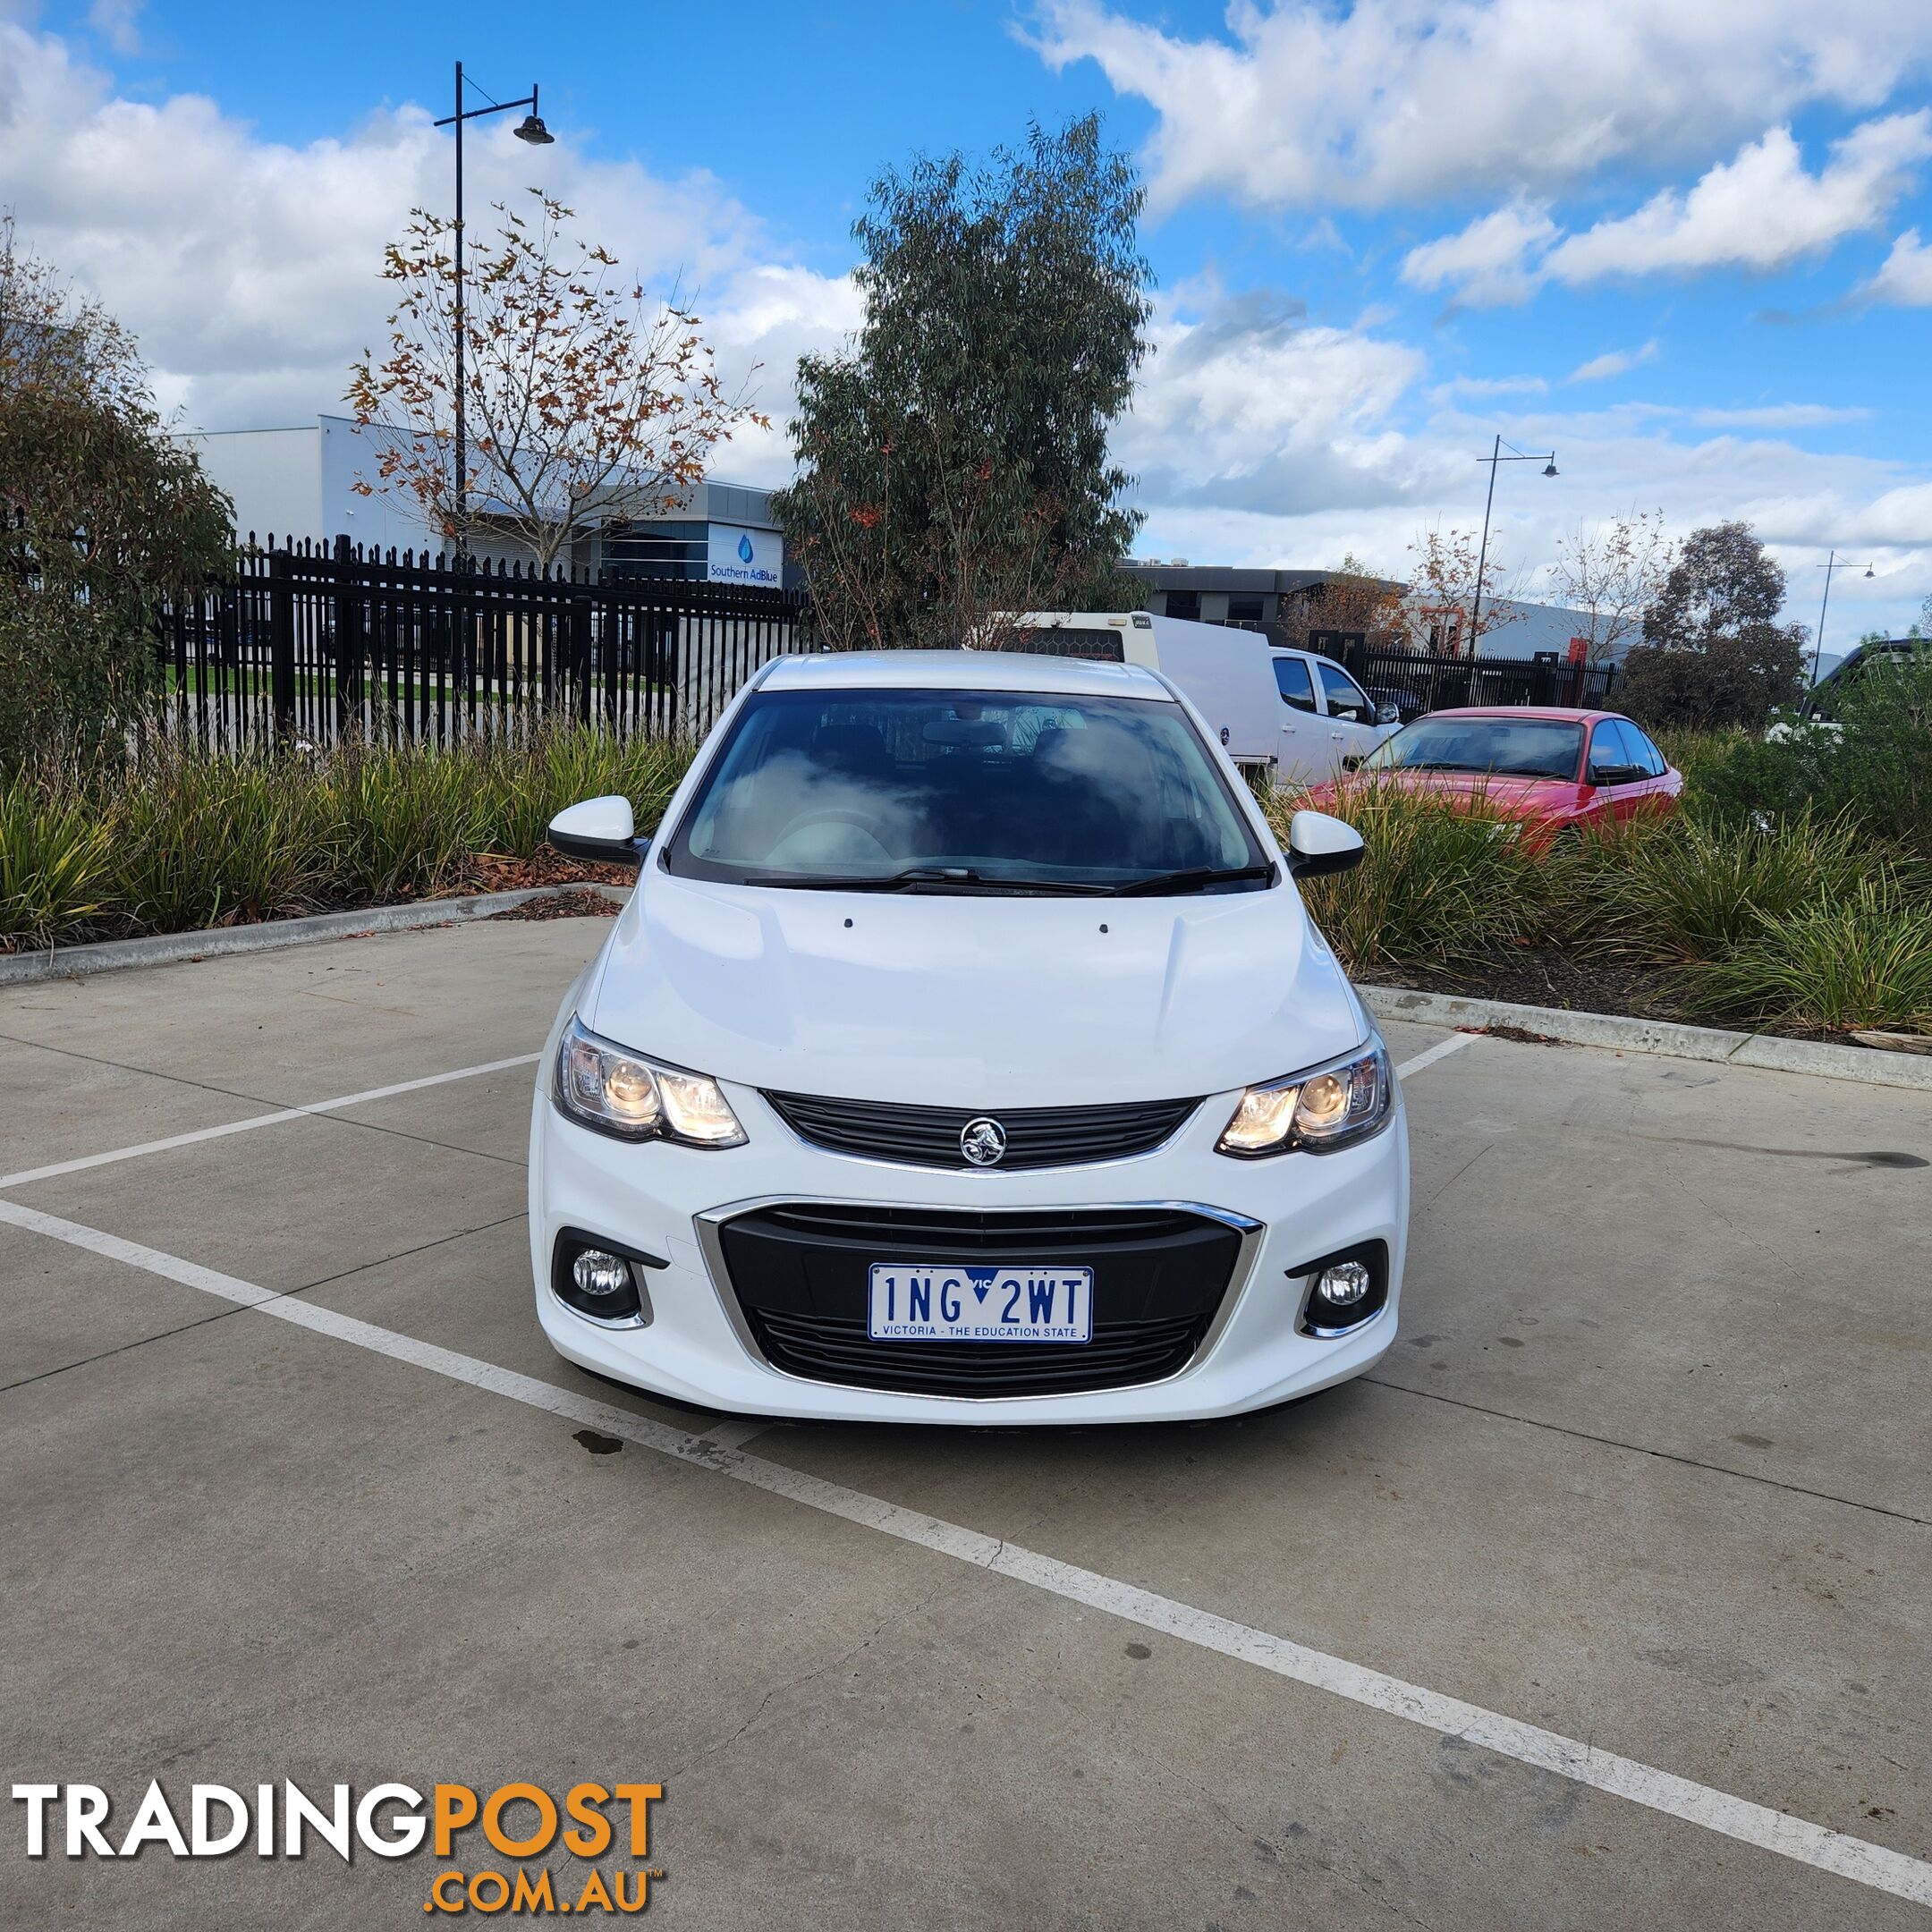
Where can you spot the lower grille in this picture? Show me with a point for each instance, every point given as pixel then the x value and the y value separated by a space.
pixel 799 1273
pixel 929 1137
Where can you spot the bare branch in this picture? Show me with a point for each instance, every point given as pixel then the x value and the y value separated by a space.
pixel 588 402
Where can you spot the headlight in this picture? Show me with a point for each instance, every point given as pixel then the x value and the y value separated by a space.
pixel 1327 1107
pixel 619 1092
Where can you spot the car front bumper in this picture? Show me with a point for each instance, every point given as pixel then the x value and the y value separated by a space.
pixel 697 1346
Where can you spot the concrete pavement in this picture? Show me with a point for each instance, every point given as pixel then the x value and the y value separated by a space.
pixel 1648 1469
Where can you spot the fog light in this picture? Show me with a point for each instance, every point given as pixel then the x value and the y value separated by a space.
pixel 1340 1286
pixel 599 1274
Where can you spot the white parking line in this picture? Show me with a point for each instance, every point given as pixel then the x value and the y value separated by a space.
pixel 85 1161
pixel 1441 1050
pixel 1868 1864
pixel 735 1431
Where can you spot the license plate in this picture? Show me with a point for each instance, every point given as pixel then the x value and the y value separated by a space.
pixel 944 1302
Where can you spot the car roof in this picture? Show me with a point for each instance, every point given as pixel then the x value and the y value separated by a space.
pixel 1562 713
pixel 960 670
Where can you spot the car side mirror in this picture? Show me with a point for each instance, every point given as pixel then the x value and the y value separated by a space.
pixel 1351 761
pixel 1318 843
pixel 1388 713
pixel 600 830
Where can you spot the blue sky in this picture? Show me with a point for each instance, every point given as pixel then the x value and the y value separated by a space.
pixel 1680 242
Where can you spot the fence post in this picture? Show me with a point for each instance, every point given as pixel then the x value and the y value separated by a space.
pixel 281 643
pixel 348 644
pixel 579 633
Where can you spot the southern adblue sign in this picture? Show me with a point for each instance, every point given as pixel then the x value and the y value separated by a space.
pixel 735 554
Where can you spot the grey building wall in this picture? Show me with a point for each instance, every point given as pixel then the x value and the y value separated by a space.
pixel 300 482
pixel 1222 594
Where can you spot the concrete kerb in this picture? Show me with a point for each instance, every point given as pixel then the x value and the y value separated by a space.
pixel 164 949
pixel 1770 1051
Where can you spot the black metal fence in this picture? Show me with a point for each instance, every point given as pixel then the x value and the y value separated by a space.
pixel 1415 685
pixel 314 642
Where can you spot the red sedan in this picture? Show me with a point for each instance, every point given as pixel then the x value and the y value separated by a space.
pixel 1545 768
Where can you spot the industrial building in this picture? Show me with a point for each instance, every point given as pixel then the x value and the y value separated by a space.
pixel 300 482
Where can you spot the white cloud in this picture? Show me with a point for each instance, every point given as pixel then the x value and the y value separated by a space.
pixel 1433 470
pixel 1305 104
pixel 1905 277
pixel 248 269
pixel 1759 211
pixel 1613 362
pixel 1251 404
pixel 1488 262
pixel 1260 438
pixel 116 22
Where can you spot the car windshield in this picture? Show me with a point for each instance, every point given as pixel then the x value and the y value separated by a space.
pixel 1514 748
pixel 965 791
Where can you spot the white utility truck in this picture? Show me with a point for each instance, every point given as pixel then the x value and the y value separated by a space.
pixel 1288 711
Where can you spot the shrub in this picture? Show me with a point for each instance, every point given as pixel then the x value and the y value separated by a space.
pixel 1439 883
pixel 526 783
pixel 176 837
pixel 1696 753
pixel 56 860
pixel 101 513
pixel 1682 889
pixel 209 839
pixel 1862 961
pixel 1737 679
pixel 403 818
pixel 1873 763
pixel 1882 768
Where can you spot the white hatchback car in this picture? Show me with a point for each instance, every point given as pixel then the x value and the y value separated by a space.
pixel 965 1055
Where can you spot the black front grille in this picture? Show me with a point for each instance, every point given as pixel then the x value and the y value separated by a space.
pixel 799 1273
pixel 929 1137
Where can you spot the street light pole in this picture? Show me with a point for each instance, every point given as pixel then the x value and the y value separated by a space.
pixel 533 131
pixel 1494 457
pixel 1818 644
pixel 463 442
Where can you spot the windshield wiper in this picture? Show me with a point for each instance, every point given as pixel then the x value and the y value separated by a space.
pixel 947 877
pixel 915 878
pixel 1192 879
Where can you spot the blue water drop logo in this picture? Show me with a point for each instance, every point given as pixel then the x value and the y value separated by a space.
pixel 744 549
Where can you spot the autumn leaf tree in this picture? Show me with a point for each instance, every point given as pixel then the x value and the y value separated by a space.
pixel 586 401
pixel 1450 569
pixel 102 515
pixel 1351 599
pixel 1613 573
pixel 953 467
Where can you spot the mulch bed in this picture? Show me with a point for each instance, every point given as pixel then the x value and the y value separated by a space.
pixel 1530 976
pixel 498 872
pixel 580 902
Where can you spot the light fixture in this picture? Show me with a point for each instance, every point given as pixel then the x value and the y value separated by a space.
pixel 531 129
pixel 598 1273
pixel 1343 1285
pixel 1327 1107
pixel 1494 457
